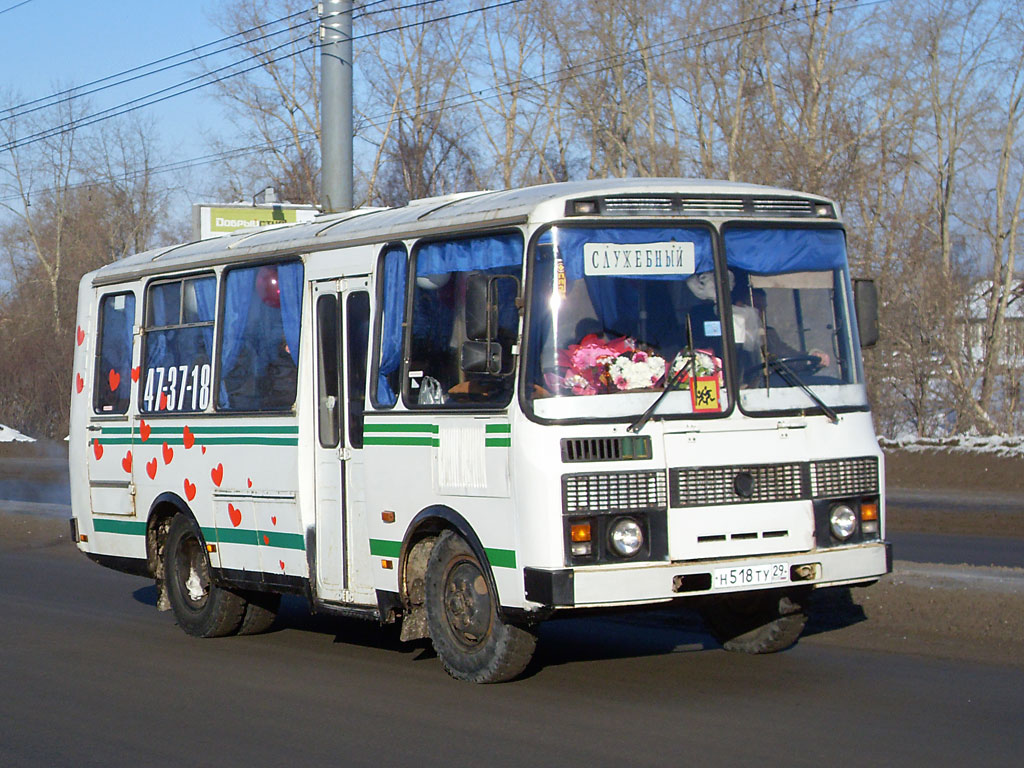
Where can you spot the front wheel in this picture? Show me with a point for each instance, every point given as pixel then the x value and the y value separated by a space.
pixel 756 622
pixel 471 639
pixel 200 607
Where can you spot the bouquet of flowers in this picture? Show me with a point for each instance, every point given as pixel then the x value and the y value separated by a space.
pixel 703 360
pixel 596 366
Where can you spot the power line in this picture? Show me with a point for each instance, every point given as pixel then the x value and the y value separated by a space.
pixel 149 99
pixel 596 66
pixel 75 92
pixel 563 75
pixel 16 5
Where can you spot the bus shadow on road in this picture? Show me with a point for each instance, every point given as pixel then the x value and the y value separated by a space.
pixel 594 637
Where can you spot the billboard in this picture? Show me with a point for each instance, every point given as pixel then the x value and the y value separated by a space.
pixel 216 220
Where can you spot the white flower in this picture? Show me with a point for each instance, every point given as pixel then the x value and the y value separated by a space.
pixel 639 373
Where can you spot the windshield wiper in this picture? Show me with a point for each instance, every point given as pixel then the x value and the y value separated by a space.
pixel 644 417
pixel 794 379
pixel 670 384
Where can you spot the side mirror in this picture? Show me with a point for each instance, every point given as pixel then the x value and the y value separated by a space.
pixel 481 312
pixel 481 357
pixel 865 305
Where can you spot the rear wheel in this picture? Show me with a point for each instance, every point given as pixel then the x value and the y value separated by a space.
pixel 471 639
pixel 757 622
pixel 200 607
pixel 260 612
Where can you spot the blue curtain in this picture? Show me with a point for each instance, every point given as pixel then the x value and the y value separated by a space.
pixel 239 291
pixel 394 277
pixel 617 299
pixel 469 254
pixel 770 251
pixel 206 297
pixel 289 280
pixel 164 311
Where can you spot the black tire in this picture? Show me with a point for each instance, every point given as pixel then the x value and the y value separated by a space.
pixel 469 636
pixel 756 622
pixel 260 612
pixel 200 607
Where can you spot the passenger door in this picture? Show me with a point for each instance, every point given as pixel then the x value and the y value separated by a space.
pixel 111 418
pixel 342 318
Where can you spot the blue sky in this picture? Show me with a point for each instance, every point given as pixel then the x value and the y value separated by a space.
pixel 49 45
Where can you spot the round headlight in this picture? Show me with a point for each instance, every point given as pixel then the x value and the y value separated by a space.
pixel 843 521
pixel 626 537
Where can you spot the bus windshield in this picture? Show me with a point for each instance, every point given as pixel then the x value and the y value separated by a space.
pixel 619 313
pixel 796 285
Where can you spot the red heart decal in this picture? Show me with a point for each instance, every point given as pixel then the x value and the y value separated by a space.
pixel 115 380
pixel 266 540
pixel 281 563
pixel 162 406
pixel 203 449
pixel 135 373
pixel 144 430
pixel 274 519
pixel 188 438
pixel 151 468
pixel 249 480
pixel 190 490
pixel 79 383
pixel 80 335
pixel 97 449
pixel 126 462
pixel 217 474
pixel 168 453
pixel 235 515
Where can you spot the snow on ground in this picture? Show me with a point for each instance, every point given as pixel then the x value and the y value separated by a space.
pixel 8 435
pixel 1000 445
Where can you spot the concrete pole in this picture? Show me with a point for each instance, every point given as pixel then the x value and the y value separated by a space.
pixel 336 105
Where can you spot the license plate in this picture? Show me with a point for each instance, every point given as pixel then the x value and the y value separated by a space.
pixel 750 575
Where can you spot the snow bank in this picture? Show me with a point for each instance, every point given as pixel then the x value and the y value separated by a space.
pixel 1000 445
pixel 8 435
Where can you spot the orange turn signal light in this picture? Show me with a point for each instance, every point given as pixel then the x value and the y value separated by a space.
pixel 580 532
pixel 869 510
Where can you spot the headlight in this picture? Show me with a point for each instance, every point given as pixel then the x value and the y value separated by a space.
pixel 626 537
pixel 843 521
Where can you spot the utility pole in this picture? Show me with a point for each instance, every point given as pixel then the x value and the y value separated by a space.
pixel 335 105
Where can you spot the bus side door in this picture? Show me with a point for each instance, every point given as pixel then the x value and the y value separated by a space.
pixel 342 320
pixel 111 419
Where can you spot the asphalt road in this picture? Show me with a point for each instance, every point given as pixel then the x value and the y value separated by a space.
pixel 91 674
pixel 53 499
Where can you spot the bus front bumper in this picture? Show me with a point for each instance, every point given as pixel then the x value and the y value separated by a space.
pixel 640 583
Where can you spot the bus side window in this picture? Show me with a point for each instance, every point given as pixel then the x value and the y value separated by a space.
pixel 438 323
pixel 357 339
pixel 328 371
pixel 176 366
pixel 391 300
pixel 112 387
pixel 259 345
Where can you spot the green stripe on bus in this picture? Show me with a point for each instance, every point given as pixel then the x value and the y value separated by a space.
pixel 499 558
pixel 126 527
pixel 399 440
pixel 255 538
pixel 498 442
pixel 505 429
pixel 385 548
pixel 383 427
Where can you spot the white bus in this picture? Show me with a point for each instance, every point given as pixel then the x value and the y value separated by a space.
pixel 478 412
